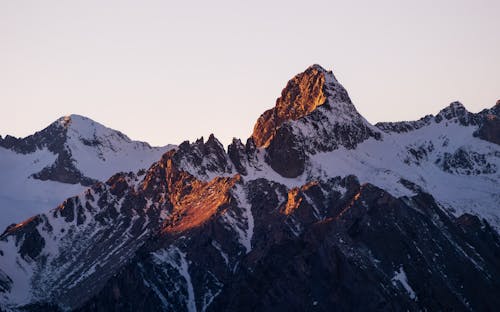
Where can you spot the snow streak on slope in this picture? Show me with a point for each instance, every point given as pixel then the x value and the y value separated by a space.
pixel 243 222
pixel 177 259
pixel 400 277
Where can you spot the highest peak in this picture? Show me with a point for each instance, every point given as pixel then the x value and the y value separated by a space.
pixel 318 69
pixel 302 95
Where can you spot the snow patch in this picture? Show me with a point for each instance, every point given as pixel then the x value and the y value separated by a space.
pixel 243 225
pixel 222 253
pixel 400 276
pixel 177 259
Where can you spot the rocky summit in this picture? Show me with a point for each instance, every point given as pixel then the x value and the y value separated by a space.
pixel 318 211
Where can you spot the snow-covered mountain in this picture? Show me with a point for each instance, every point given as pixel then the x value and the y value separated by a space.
pixel 319 210
pixel 40 171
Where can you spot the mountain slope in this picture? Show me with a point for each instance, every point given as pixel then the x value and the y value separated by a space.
pixel 319 210
pixel 41 170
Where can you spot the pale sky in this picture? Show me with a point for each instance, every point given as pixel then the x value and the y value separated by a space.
pixel 165 71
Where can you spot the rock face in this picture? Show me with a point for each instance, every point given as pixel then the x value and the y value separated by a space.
pixel 302 95
pixel 286 154
pixel 490 126
pixel 490 129
pixel 63 170
pixel 319 210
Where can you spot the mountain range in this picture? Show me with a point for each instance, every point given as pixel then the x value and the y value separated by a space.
pixel 319 210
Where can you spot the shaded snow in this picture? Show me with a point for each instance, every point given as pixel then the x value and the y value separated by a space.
pixel 21 196
pixel 20 271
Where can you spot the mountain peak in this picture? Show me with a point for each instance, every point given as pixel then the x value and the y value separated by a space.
pixel 319 68
pixel 64 121
pixel 454 108
pixel 67 120
pixel 84 128
pixel 301 96
pixel 456 111
pixel 316 66
pixel 81 144
pixel 314 114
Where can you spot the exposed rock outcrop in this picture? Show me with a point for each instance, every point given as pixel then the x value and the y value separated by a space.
pixel 490 127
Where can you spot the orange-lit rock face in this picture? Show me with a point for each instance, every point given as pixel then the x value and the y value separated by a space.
pixel 295 197
pixel 300 97
pixel 21 225
pixel 190 202
pixel 351 203
pixel 196 201
pixel 293 202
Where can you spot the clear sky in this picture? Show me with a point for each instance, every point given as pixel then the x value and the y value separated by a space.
pixel 165 71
